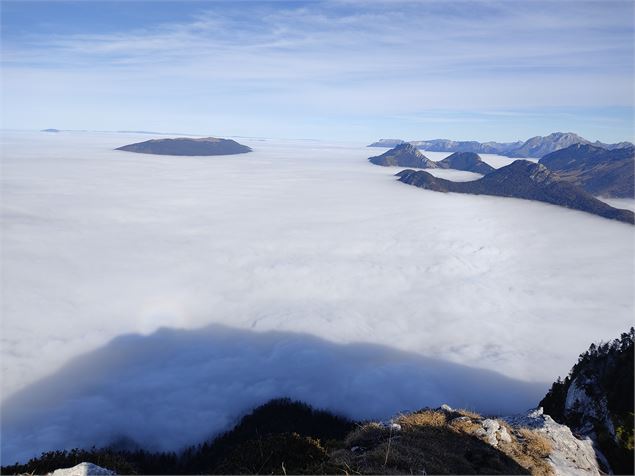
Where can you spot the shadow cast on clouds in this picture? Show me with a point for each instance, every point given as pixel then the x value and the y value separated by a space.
pixel 178 387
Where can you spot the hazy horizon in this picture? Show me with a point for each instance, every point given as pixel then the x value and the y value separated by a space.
pixel 257 137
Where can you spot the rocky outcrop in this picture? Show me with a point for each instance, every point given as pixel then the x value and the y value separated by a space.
pixel 569 455
pixel 403 155
pixel 493 432
pixel 468 161
pixel 530 442
pixel 83 469
pixel 608 173
pixel 522 179
pixel 441 441
pixel 187 146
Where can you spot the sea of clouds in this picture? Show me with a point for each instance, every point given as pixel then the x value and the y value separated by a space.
pixel 159 298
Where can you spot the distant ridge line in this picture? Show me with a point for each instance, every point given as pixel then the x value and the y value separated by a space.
pixel 537 146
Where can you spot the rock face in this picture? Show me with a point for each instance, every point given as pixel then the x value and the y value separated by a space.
pixel 596 400
pixel 404 155
pixel 589 406
pixel 609 173
pixel 83 469
pixel 468 161
pixel 569 455
pixel 187 146
pixel 522 179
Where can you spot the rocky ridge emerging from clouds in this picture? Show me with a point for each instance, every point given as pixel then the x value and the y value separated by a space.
pixel 521 179
pixel 600 171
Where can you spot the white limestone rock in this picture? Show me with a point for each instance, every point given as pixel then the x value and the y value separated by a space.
pixel 570 455
pixel 83 469
pixel 503 435
pixel 488 431
pixel 493 432
pixel 390 425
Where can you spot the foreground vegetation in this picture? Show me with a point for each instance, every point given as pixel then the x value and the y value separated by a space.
pixel 286 437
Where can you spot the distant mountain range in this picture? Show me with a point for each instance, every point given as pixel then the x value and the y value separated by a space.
pixel 522 179
pixel 390 143
pixel 187 146
pixel 535 147
pixel 608 173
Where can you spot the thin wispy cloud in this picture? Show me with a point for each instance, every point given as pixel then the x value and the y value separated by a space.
pixel 343 59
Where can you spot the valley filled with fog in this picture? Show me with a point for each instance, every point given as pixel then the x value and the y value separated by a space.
pixel 158 298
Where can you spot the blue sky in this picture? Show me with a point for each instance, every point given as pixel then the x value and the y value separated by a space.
pixel 347 69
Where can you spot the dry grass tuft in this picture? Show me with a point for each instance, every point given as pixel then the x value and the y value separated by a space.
pixel 536 444
pixel 531 450
pixel 465 425
pixel 422 418
pixel 468 413
pixel 367 435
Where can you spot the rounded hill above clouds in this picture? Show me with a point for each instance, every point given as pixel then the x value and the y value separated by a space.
pixel 188 146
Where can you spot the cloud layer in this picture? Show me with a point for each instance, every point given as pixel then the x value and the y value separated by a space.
pixel 297 237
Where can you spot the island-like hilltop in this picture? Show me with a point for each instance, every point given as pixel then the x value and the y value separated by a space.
pixel 407 155
pixel 403 155
pixel 187 146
